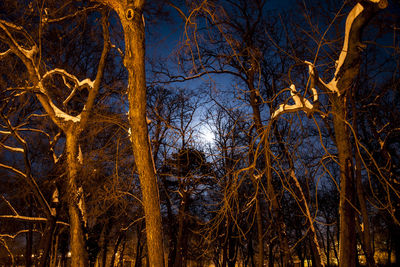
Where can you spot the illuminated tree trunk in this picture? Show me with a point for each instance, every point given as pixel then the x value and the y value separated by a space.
pixel 47 241
pixel 77 236
pixel 140 141
pixel 72 126
pixel 131 17
pixel 347 234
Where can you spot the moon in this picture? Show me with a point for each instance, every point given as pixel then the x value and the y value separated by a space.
pixel 207 135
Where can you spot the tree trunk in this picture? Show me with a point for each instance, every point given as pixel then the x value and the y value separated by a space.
pixel 47 241
pixel 260 233
pixel 181 246
pixel 121 255
pixel 79 255
pixel 139 247
pixel 232 246
pixel 113 255
pixel 54 252
pixel 105 241
pixel 256 184
pixel 271 259
pixel 365 232
pixel 340 88
pixel 275 207
pixel 347 233
pixel 29 240
pixel 131 16
pixel 249 261
pixel 328 247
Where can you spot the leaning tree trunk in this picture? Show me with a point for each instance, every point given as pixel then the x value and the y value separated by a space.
pixel 131 16
pixel 134 61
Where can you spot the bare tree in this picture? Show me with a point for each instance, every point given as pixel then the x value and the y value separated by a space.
pixel 23 45
pixel 339 91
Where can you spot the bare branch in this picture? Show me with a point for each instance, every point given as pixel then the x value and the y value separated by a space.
pixel 4 54
pixel 18 233
pixel 76 14
pixel 9 205
pixel 300 103
pixel 11 148
pixel 29 219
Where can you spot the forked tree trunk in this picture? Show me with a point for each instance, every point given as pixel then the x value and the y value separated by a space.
pixel 339 89
pixel 345 74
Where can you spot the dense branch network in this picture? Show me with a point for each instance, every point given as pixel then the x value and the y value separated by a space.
pixel 348 57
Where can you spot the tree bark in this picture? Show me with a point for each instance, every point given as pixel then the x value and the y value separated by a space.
pixel 140 142
pixel 131 17
pixel 347 233
pixel 77 235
